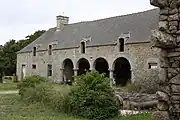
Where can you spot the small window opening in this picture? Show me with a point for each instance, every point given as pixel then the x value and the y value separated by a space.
pixel 33 66
pixel 121 45
pixel 82 47
pixel 49 70
pixel 34 51
pixel 153 65
pixel 50 50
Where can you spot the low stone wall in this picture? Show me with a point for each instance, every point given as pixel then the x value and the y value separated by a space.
pixel 137 101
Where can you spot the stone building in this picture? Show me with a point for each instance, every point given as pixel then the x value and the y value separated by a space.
pixel 117 46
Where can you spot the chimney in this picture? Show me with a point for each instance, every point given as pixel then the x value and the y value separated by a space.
pixel 61 22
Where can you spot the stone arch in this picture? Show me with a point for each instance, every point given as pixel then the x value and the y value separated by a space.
pixel 68 70
pixel 83 66
pixel 101 65
pixel 122 71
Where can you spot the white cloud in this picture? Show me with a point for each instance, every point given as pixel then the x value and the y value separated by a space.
pixel 22 17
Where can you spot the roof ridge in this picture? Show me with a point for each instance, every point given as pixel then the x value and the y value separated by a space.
pixel 130 14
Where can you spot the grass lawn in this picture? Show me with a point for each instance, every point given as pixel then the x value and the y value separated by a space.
pixel 9 85
pixel 12 108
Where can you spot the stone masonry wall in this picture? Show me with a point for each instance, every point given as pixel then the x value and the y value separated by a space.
pixel 168 39
pixel 139 55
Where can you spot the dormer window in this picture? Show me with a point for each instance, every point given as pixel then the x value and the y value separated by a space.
pixel 50 50
pixel 34 51
pixel 83 47
pixel 121 45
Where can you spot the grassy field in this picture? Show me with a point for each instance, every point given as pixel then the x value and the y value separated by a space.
pixel 12 108
pixel 9 85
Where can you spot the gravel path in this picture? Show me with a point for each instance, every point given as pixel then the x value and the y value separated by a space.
pixel 9 92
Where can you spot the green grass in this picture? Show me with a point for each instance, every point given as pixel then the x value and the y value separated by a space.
pixel 9 85
pixel 12 108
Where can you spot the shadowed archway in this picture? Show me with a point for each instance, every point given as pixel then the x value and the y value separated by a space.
pixel 83 65
pixel 101 65
pixel 68 70
pixel 122 71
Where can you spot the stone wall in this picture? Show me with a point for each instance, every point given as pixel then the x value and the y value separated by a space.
pixel 168 39
pixel 137 54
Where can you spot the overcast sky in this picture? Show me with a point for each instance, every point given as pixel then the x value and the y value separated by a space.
pixel 20 18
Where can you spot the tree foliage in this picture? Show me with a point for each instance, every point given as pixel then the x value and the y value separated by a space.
pixel 8 52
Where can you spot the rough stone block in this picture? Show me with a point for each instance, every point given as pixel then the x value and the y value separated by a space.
pixel 164 11
pixel 173 11
pixel 163 25
pixel 175 80
pixel 173 4
pixel 176 108
pixel 175 64
pixel 162 106
pixel 178 32
pixel 175 88
pixel 162 96
pixel 173 28
pixel 170 75
pixel 176 58
pixel 159 3
pixel 175 99
pixel 164 88
pixel 173 23
pixel 174 54
pixel 162 39
pixel 163 17
pixel 178 3
pixel 174 17
pixel 172 71
pixel 160 115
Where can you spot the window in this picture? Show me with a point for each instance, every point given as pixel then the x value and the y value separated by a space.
pixel 82 47
pixel 50 50
pixel 34 51
pixel 33 66
pixel 153 65
pixel 49 70
pixel 121 45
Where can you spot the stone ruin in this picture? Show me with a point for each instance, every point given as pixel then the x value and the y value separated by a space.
pixel 167 37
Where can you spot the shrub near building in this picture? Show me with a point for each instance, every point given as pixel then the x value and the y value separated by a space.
pixel 92 98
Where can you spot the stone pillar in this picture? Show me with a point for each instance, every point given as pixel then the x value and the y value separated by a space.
pixel 61 76
pixel 168 39
pixel 111 76
pixel 75 71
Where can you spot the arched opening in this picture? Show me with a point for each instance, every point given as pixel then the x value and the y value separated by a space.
pixel 83 66
pixel 68 70
pixel 122 71
pixel 101 65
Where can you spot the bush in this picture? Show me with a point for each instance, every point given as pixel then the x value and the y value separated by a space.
pixel 149 84
pixel 29 82
pixel 92 98
pixel 59 98
pixel 39 93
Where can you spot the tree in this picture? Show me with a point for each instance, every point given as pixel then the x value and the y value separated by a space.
pixel 8 52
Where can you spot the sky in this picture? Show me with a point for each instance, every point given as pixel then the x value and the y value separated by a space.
pixel 20 18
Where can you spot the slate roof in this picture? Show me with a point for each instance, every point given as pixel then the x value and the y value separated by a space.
pixel 102 32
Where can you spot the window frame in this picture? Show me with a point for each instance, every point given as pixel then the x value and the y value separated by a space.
pixel 121 42
pixel 152 65
pixel 34 51
pixel 34 66
pixel 50 49
pixel 49 70
pixel 83 47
